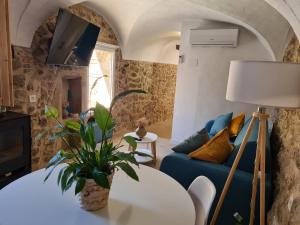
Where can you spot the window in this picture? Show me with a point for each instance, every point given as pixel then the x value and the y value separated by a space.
pixel 101 73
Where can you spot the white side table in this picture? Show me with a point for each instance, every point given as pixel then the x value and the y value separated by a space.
pixel 151 139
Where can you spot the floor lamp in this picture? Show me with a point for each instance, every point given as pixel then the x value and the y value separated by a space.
pixel 274 84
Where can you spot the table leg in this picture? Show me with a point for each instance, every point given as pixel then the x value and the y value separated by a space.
pixel 153 149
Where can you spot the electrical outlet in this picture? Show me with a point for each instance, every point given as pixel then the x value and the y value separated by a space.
pixel 32 98
pixel 195 61
pixel 290 203
pixel 274 221
pixel 181 59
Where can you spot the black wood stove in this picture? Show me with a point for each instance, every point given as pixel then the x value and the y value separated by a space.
pixel 15 147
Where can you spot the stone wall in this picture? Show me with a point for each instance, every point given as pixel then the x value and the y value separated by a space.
pixel 286 146
pixel 32 76
pixel 158 80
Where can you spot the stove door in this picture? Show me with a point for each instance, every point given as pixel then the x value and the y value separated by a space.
pixel 15 145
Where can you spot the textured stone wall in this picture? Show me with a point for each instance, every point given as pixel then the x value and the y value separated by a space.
pixel 32 76
pixel 158 80
pixel 286 146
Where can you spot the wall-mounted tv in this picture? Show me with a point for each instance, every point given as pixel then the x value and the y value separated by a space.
pixel 73 41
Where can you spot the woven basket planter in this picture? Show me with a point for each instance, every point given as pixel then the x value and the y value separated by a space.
pixel 94 197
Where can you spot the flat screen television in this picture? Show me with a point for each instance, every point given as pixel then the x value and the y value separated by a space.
pixel 73 41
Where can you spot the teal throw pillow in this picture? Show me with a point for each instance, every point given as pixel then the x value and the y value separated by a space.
pixel 220 123
pixel 253 136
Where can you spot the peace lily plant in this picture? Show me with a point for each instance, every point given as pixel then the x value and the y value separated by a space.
pixel 89 165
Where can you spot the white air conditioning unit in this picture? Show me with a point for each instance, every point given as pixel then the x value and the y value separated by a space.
pixel 214 37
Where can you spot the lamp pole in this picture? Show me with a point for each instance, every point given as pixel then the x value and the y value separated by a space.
pixel 259 163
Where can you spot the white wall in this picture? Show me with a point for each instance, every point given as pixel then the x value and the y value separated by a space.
pixel 202 79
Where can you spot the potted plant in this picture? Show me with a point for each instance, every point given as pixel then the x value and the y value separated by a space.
pixel 90 166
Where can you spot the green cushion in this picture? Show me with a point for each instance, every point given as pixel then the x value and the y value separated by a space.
pixel 193 142
pixel 220 123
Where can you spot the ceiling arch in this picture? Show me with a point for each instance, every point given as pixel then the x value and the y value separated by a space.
pixel 258 15
pixel 148 30
pixel 290 9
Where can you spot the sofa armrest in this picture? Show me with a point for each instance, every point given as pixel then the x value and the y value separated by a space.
pixel 209 124
pixel 185 170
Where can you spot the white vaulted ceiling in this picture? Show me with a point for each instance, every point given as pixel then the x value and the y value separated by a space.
pixel 290 9
pixel 148 30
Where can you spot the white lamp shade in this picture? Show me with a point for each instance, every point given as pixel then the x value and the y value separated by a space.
pixel 262 83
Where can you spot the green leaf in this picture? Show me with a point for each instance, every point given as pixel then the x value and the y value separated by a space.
pixel 73 125
pixel 100 178
pixel 142 154
pixel 68 155
pixel 82 132
pixel 128 170
pixel 60 174
pixel 122 156
pixel 51 112
pixel 55 158
pixel 131 141
pixel 59 157
pixel 40 135
pixel 59 126
pixel 54 166
pixel 61 134
pixel 125 93
pixel 64 178
pixel 103 118
pixel 90 134
pixel 79 185
pixel 83 115
pixel 70 182
pixel 95 83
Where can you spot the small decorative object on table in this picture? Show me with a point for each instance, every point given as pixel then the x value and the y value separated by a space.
pixel 151 139
pixel 91 167
pixel 141 131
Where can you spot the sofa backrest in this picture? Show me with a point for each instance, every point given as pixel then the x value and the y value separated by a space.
pixel 253 136
pixel 248 158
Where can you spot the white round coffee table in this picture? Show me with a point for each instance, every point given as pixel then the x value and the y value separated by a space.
pixel 151 139
pixel 156 200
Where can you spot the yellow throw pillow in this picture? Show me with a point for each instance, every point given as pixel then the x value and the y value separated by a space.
pixel 236 125
pixel 216 150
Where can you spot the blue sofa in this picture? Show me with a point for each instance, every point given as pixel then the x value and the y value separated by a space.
pixel 185 170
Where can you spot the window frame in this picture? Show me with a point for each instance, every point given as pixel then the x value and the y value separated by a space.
pixel 109 48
